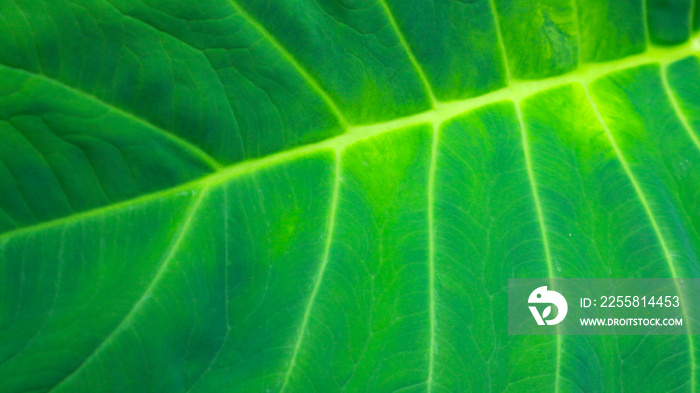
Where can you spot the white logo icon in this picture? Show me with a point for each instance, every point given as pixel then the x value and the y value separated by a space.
pixel 542 295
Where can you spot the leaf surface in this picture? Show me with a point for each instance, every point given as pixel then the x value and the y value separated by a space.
pixel 320 196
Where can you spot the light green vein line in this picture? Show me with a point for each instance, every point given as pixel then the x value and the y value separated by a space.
pixel 122 112
pixel 318 279
pixel 174 246
pixel 447 110
pixel 294 63
pixel 501 43
pixel 104 210
pixel 543 226
pixel 657 231
pixel 431 252
pixel 533 187
pixel 409 53
pixel 677 108
pixel 219 351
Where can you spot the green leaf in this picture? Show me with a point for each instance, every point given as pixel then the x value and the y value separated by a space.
pixel 330 196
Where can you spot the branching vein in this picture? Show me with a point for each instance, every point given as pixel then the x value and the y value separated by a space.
pixel 677 108
pixel 185 144
pixel 319 276
pixel 655 225
pixel 294 63
pixel 431 253
pixel 542 225
pixel 446 111
pixel 143 299
pixel 410 54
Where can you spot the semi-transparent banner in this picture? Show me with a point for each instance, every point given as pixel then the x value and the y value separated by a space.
pixel 603 306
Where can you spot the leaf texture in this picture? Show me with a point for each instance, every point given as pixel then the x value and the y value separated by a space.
pixel 330 196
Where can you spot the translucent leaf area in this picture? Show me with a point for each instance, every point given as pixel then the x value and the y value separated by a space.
pixel 318 196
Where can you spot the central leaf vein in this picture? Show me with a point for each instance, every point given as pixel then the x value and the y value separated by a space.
pixel 443 112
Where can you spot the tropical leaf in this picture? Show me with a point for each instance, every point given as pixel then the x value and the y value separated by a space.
pixel 330 196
